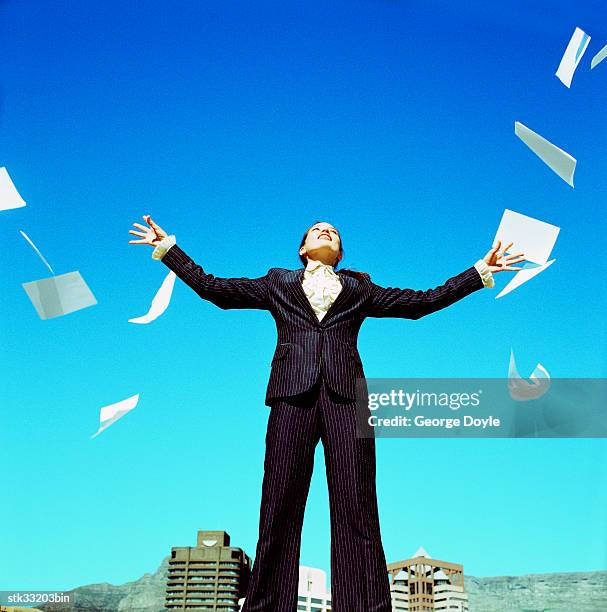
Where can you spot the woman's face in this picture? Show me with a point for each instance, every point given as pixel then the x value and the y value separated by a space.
pixel 323 243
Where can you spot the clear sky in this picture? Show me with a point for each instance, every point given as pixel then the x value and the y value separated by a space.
pixel 237 125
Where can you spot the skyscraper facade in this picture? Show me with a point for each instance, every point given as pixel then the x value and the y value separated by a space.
pixel 209 576
pixel 312 594
pixel 423 584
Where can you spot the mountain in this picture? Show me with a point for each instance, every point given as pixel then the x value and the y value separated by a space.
pixel 563 592
pixel 143 595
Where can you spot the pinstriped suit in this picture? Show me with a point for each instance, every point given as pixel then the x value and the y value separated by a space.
pixel 312 395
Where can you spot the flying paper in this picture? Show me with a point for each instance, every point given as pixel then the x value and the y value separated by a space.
pixel 160 302
pixel 530 236
pixel 522 390
pixel 556 159
pixel 572 56
pixel 59 295
pixel 522 277
pixel 46 263
pixel 108 415
pixel 9 196
pixel 599 57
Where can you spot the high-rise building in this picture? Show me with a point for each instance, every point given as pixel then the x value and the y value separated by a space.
pixel 423 584
pixel 209 576
pixel 312 594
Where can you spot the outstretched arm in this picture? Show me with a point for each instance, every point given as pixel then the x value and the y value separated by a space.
pixel 223 292
pixel 411 304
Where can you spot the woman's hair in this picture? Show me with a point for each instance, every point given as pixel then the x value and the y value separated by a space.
pixel 360 276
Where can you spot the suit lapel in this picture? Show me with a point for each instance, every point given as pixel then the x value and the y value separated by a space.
pixel 347 289
pixel 294 280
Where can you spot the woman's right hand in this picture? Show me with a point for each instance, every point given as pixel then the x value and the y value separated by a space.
pixel 151 235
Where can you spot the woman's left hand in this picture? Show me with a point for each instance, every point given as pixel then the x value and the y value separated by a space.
pixel 498 261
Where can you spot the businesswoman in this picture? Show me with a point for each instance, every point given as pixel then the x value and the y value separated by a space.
pixel 312 396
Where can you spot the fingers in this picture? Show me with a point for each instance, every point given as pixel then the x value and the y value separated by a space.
pixel 491 253
pixel 145 235
pixel 149 235
pixel 496 269
pixel 502 254
pixel 514 255
pixel 151 223
pixel 497 248
pixel 493 250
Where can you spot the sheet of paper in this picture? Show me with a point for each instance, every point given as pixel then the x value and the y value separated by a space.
pixel 599 57
pixel 46 263
pixel 160 302
pixel 9 196
pixel 110 414
pixel 522 277
pixel 559 161
pixel 530 236
pixel 572 56
pixel 59 295
pixel 523 390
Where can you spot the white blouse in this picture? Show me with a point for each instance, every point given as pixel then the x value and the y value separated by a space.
pixel 321 286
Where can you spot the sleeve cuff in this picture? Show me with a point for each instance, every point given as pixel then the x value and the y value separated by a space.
pixel 163 246
pixel 483 269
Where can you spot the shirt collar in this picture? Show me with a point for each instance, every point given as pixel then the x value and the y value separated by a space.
pixel 314 264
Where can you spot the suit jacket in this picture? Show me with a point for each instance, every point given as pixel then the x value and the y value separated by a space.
pixel 306 346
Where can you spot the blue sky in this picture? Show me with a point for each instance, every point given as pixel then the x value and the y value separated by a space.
pixel 237 125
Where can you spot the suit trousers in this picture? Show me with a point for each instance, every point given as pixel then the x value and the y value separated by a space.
pixel 359 575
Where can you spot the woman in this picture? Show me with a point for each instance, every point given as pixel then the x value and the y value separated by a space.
pixel 311 394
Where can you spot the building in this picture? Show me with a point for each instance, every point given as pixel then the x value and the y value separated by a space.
pixel 312 594
pixel 423 584
pixel 209 576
